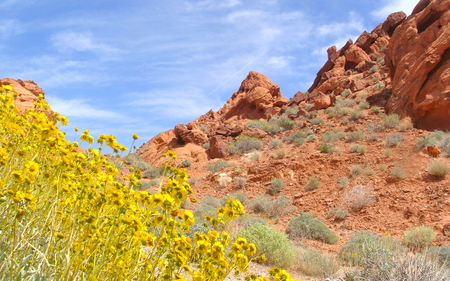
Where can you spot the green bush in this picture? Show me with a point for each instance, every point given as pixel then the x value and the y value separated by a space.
pixel 439 253
pixel 306 225
pixel 285 123
pixel 185 163
pixel 313 183
pixel 327 147
pixel 276 186
pixel 275 143
pixel 358 197
pixel 244 144
pixel 239 182
pixel 331 137
pixel 438 169
pixel 356 171
pixel 271 242
pixel 338 213
pixel 391 121
pixel 356 136
pixel 397 173
pixel 296 138
pixel 343 182
pixel 433 138
pixel 137 161
pixel 394 139
pixel 317 121
pixel 274 207
pixel 259 124
pixel 279 153
pixel 361 149
pixel 219 165
pixel 373 69
pixel 314 263
pixel 359 249
pixel 418 237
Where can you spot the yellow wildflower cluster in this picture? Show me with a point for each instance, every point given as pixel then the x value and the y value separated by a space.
pixel 64 215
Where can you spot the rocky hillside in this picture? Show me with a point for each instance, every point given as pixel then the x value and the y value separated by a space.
pixel 342 140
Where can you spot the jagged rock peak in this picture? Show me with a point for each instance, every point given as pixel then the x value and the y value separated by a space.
pixel 256 98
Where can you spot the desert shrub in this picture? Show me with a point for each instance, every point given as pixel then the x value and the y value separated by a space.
pixel 386 266
pixel 239 182
pixel 358 114
pixel 274 207
pixel 327 147
pixel 379 86
pixel 255 155
pixel 313 183
pixel 259 124
pixel 317 121
pixel 342 182
pixel 439 253
pixel 356 136
pixel 273 129
pixel 241 197
pixel 397 173
pixel 368 172
pixel 219 165
pixel 136 161
pixel 279 153
pixel 373 69
pixel 314 263
pixel 391 121
pixel 364 105
pixel 406 125
pixel 285 123
pixel 311 138
pixel 438 168
pixel 291 111
pixel 433 138
pixel 275 143
pixel 271 242
pixel 364 245
pixel 358 197
pixel 246 144
pixel 185 163
pixel 418 237
pixel 361 149
pixel 375 109
pixel 338 213
pixel 341 102
pixel 388 152
pixel 296 138
pixel 380 61
pixel 330 136
pixel 372 138
pixel 206 145
pixel 356 171
pixel 307 226
pixel 276 186
pixel 394 139
pixel 154 182
pixel 246 221
pixel 153 172
pixel 382 167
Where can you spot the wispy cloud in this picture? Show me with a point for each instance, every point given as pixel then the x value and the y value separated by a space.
pixel 10 27
pixel 82 109
pixel 392 6
pixel 68 41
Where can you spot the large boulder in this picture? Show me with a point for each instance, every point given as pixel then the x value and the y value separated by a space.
pixel 256 98
pixel 28 92
pixel 419 60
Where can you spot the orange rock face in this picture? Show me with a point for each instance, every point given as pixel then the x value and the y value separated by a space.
pixel 419 60
pixel 256 98
pixel 29 92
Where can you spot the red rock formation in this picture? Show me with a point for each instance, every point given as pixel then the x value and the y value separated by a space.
pixel 29 92
pixel 257 98
pixel 419 62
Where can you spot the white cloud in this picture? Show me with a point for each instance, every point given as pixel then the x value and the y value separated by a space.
pixel 82 42
pixel 80 108
pixel 10 27
pixel 280 61
pixel 392 6
pixel 354 22
pixel 188 103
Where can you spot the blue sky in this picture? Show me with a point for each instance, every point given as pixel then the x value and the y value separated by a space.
pixel 123 67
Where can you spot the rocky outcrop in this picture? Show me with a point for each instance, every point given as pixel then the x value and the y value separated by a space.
pixel 347 68
pixel 28 92
pixel 419 61
pixel 256 98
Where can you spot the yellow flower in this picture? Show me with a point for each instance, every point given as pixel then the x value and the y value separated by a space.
pixel 171 154
pixel 32 167
pixel 135 137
